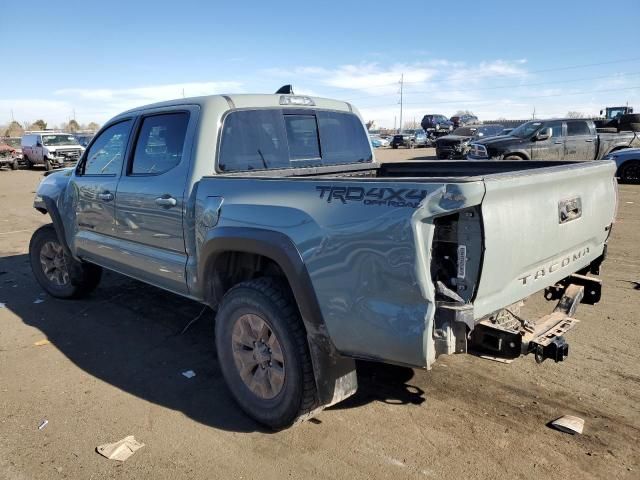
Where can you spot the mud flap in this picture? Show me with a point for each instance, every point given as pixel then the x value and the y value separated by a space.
pixel 335 375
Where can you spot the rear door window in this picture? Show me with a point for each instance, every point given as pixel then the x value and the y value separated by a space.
pixel 577 128
pixel 275 139
pixel 160 143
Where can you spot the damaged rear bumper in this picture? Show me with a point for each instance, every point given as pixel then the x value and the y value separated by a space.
pixel 505 336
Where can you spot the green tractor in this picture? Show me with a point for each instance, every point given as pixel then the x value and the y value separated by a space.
pixel 618 119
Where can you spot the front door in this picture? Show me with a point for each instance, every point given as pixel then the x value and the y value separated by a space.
pixel 553 147
pixel 151 200
pixel 93 190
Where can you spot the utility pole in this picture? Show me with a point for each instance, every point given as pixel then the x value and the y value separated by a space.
pixel 401 99
pixel 12 117
pixel 533 116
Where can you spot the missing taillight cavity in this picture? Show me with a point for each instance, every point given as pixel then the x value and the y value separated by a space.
pixel 456 253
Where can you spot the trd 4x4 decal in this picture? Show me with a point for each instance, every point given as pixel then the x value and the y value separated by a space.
pixel 385 196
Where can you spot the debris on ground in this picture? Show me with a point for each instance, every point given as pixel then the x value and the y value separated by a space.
pixel 120 450
pixel 193 320
pixel 189 373
pixel 42 342
pixel 569 424
pixel 43 424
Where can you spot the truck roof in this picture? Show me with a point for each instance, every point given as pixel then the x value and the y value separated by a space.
pixel 248 101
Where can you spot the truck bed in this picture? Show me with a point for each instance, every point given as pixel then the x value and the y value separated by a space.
pixel 368 237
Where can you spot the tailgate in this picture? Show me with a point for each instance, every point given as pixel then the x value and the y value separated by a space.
pixel 540 226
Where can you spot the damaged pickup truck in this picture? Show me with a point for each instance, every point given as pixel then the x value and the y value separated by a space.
pixel 272 210
pixel 559 139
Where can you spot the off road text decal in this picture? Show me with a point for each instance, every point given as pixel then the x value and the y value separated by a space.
pixel 389 197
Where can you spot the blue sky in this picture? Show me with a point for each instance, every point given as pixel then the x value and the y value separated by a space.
pixel 501 60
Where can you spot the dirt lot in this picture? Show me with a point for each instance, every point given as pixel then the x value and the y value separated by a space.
pixel 113 368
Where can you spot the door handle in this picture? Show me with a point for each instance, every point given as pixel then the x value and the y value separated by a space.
pixel 105 196
pixel 589 140
pixel 558 142
pixel 166 201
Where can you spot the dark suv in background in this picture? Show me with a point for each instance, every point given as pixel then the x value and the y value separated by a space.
pixel 436 122
pixel 462 120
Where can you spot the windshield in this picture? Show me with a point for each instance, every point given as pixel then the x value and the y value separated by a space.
pixel 615 112
pixel 526 129
pixel 490 130
pixel 59 140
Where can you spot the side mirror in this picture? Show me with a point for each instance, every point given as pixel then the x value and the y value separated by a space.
pixel 601 112
pixel 544 134
pixel 38 143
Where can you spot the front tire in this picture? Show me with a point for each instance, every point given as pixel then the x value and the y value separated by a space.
pixel 48 166
pixel 630 172
pixel 58 274
pixel 263 353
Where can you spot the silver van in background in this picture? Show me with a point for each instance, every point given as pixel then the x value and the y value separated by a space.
pixel 51 149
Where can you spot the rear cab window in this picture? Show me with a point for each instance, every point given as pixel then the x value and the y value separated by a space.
pixel 578 127
pixel 270 139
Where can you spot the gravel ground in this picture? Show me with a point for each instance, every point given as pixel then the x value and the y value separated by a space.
pixel 113 368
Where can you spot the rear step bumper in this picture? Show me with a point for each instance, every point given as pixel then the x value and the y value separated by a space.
pixel 543 337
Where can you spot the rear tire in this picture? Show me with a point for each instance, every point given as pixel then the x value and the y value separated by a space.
pixel 263 353
pixel 630 172
pixel 58 274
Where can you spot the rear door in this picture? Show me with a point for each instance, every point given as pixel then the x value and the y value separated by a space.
pixel 540 226
pixel 553 147
pixel 580 142
pixel 151 204
pixel 94 185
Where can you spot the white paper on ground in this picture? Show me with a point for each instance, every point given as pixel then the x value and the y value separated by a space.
pixel 120 450
pixel 569 424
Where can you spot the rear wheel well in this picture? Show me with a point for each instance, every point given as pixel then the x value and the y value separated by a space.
pixel 233 267
pixel 618 148
pixel 515 156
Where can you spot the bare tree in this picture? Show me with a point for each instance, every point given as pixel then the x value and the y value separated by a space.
pixel 411 125
pixel 38 125
pixel 14 129
pixel 93 126
pixel 464 112
pixel 575 115
pixel 72 126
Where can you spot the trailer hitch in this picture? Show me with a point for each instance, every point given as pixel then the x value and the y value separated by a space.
pixel 547 341
pixel 542 337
